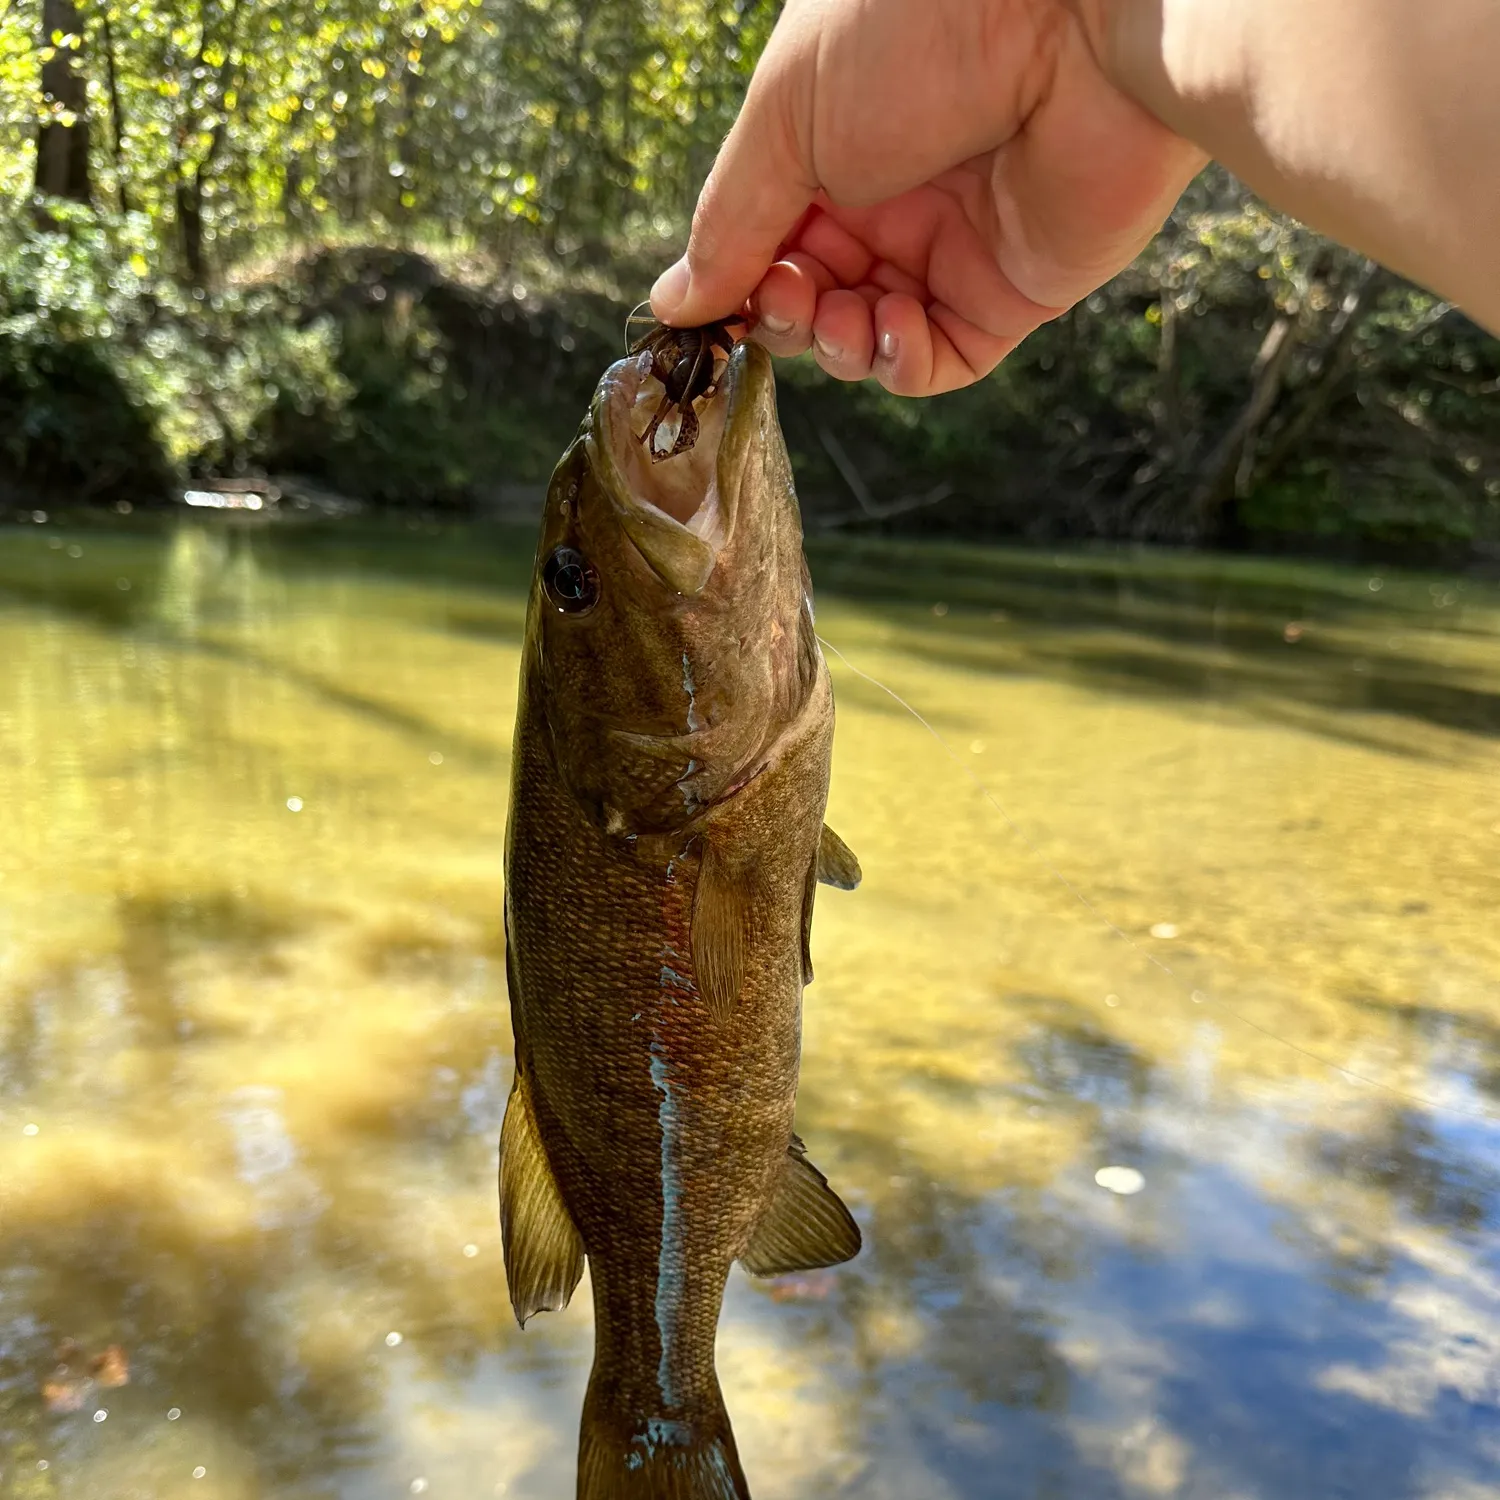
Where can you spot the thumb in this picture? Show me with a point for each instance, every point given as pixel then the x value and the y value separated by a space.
pixel 760 186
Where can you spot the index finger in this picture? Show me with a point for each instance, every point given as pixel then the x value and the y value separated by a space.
pixel 758 190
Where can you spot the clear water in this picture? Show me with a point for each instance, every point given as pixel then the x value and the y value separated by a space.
pixel 254 1043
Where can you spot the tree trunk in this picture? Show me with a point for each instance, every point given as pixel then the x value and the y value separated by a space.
pixel 404 145
pixel 189 196
pixel 1336 360
pixel 1223 476
pixel 1168 406
pixel 189 190
pixel 117 116
pixel 62 144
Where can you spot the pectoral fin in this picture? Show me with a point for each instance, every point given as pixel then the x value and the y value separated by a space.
pixel 719 906
pixel 809 895
pixel 543 1250
pixel 806 1225
pixel 836 862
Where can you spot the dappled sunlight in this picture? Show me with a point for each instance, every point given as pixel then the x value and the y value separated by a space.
pixel 254 1042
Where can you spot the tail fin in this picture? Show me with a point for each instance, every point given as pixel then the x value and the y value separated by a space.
pixel 632 1456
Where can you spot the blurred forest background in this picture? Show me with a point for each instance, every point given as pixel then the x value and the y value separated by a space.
pixel 383 248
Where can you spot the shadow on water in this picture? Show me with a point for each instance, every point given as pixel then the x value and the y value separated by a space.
pixel 1181 625
pixel 269 1081
pixel 952 1345
pixel 978 1329
pixel 1277 1338
pixel 1098 586
pixel 251 1282
pixel 996 1335
pixel 87 588
pixel 1474 1042
pixel 365 705
pixel 1302 640
pixel 78 569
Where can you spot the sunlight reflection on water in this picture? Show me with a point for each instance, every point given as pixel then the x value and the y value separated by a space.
pixel 254 1047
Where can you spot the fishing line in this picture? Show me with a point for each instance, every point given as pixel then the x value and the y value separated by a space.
pixel 1103 919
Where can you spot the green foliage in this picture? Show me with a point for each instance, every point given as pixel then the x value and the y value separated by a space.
pixel 447 393
pixel 1402 515
pixel 1244 382
pixel 20 104
pixel 117 376
pixel 69 419
pixel 67 427
pixel 476 117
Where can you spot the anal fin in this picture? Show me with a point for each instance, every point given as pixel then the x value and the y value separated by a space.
pixel 836 862
pixel 543 1249
pixel 806 1225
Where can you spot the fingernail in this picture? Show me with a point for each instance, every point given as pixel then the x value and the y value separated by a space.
pixel 773 325
pixel 828 351
pixel 671 287
pixel 889 345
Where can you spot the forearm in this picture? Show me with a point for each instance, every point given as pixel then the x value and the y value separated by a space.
pixel 1375 121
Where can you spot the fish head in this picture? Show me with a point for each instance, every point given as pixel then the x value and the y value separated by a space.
pixel 670 620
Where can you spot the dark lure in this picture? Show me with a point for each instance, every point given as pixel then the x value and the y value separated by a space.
pixel 684 360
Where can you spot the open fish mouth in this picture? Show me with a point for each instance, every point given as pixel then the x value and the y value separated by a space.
pixel 680 512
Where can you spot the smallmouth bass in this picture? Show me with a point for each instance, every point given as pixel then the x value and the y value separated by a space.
pixel 671 764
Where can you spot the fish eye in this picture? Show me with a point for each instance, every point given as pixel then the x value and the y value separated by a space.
pixel 571 581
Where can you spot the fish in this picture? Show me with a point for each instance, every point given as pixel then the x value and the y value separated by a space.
pixel 665 838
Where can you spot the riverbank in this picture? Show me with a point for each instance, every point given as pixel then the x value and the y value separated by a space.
pixel 338 379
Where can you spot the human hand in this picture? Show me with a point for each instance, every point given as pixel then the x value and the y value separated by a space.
pixel 913 186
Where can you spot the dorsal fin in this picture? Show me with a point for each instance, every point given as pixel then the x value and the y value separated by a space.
pixel 543 1249
pixel 836 862
pixel 805 1226
pixel 719 907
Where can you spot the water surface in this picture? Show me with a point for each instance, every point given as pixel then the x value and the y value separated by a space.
pixel 254 1044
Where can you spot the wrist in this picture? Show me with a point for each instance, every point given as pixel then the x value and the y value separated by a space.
pixel 1375 129
pixel 1185 61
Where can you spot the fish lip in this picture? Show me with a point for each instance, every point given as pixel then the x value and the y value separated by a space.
pixel 682 555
